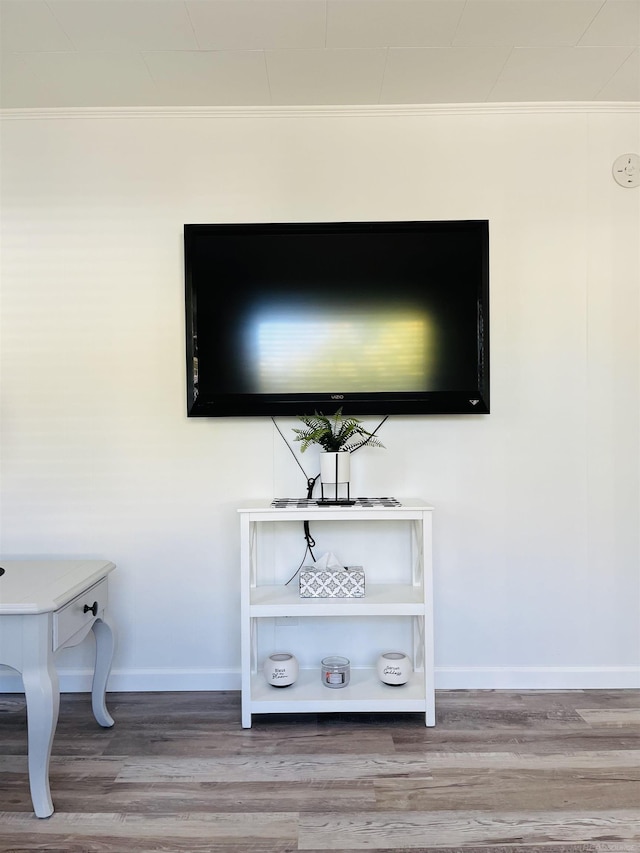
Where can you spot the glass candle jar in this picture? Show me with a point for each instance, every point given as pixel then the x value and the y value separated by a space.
pixel 335 671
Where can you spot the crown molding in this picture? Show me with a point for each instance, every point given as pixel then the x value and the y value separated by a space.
pixel 373 111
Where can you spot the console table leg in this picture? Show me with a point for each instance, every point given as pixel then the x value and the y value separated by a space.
pixel 105 643
pixel 42 694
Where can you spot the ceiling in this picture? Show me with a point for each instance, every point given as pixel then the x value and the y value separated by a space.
pixel 235 53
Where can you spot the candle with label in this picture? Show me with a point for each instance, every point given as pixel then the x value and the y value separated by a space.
pixel 335 671
pixel 394 668
pixel 281 669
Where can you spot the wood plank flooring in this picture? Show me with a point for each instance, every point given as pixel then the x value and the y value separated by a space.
pixel 514 772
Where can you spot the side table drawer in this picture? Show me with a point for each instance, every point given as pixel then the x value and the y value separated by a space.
pixel 78 613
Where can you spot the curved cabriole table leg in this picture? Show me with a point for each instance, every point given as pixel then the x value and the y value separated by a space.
pixel 105 644
pixel 42 695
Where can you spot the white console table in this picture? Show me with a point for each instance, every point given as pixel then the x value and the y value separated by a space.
pixel 396 589
pixel 47 605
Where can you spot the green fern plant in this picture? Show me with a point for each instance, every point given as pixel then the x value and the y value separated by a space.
pixel 334 433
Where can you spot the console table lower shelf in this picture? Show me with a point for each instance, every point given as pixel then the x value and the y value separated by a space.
pixel 364 693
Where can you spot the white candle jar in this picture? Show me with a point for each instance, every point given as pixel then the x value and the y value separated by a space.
pixel 281 669
pixel 394 668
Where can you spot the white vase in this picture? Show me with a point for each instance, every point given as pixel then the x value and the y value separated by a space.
pixel 394 668
pixel 332 462
pixel 281 669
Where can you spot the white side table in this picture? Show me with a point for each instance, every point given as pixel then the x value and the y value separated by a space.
pixel 47 605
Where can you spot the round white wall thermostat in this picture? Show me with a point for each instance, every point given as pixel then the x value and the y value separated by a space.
pixel 626 170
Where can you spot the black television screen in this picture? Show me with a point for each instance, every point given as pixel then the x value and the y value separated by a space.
pixel 379 318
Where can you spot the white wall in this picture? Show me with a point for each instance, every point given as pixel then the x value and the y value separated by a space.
pixel 537 505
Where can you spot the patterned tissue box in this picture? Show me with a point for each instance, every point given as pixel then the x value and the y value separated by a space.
pixel 332 583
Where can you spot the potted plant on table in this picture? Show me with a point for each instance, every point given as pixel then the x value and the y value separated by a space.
pixel 337 436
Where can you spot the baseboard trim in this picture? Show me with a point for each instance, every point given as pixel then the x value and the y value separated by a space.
pixel 447 678
pixel 138 680
pixel 538 678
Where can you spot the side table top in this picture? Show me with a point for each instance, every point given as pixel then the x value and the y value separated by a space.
pixel 39 586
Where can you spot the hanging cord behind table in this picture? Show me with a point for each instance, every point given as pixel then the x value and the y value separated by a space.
pixel 307 533
pixel 311 482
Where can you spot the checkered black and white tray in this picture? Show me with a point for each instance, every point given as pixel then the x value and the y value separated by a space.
pixel 303 503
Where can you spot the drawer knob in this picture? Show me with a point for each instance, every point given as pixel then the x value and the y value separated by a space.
pixel 93 608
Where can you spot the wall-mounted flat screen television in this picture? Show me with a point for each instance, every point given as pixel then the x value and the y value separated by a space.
pixel 379 318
